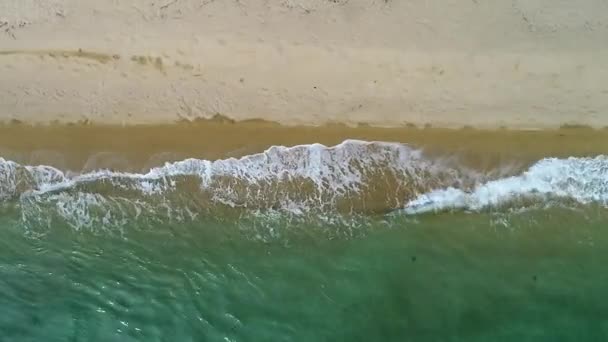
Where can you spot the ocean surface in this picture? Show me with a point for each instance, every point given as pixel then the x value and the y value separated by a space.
pixel 360 241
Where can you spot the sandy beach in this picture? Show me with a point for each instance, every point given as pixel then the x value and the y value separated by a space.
pixel 516 64
pixel 136 148
pixel 303 170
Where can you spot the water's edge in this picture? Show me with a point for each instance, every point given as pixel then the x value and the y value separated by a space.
pixel 352 178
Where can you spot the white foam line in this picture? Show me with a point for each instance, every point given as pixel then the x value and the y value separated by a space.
pixel 582 179
pixel 254 167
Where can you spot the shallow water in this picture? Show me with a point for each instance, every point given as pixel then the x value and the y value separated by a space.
pixel 537 275
pixel 356 242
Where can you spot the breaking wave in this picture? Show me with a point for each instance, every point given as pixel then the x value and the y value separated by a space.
pixel 354 177
pixel 584 180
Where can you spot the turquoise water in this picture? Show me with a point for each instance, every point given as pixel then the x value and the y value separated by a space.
pixel 358 242
pixel 530 276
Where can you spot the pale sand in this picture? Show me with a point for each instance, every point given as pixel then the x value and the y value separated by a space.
pixel 512 63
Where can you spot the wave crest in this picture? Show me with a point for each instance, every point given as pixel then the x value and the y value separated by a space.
pixel 352 177
pixel 584 180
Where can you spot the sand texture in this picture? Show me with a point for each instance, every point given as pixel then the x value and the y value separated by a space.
pixel 135 148
pixel 445 63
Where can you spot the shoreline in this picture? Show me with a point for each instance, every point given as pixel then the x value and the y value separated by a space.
pixel 519 64
pixel 138 147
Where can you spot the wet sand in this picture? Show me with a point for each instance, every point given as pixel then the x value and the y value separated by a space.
pixel 137 147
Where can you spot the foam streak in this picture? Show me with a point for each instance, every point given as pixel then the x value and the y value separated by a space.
pixel 584 180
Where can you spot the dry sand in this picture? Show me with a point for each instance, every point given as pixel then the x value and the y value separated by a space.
pixel 512 63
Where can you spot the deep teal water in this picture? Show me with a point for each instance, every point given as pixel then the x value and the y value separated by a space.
pixel 537 275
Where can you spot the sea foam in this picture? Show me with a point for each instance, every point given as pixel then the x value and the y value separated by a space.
pixel 352 177
pixel 584 180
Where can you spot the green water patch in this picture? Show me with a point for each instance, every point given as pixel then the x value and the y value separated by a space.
pixel 493 276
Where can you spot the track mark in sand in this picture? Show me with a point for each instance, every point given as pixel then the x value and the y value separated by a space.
pixel 80 53
pixel 10 28
pixel 155 62
pixel 165 6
